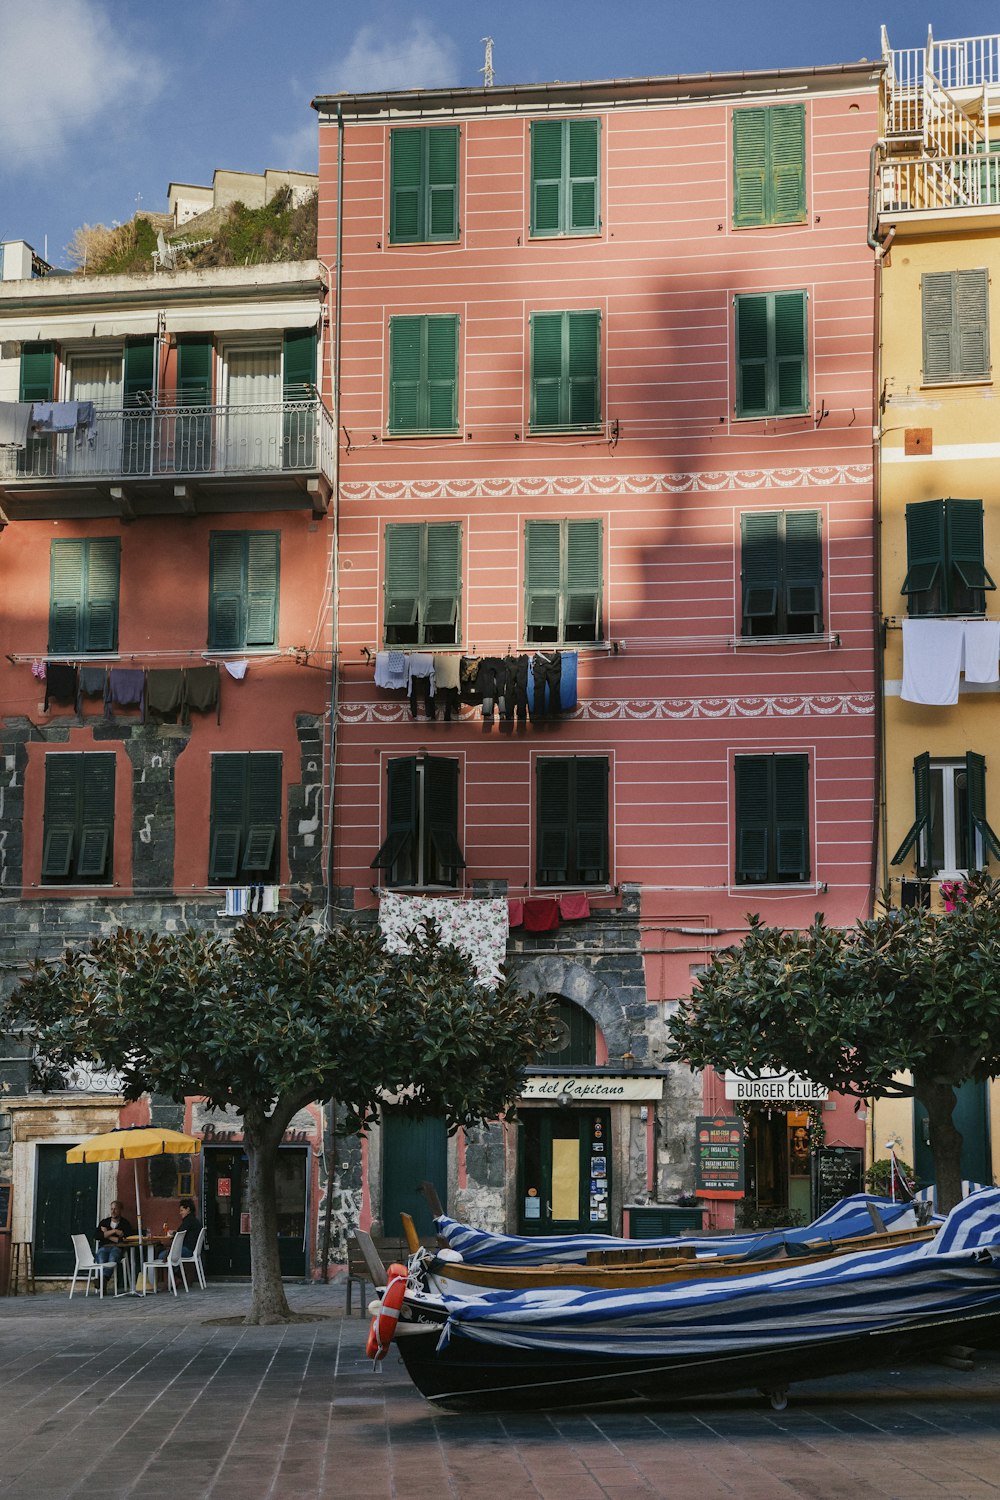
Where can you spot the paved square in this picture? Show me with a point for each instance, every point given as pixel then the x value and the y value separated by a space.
pixel 145 1399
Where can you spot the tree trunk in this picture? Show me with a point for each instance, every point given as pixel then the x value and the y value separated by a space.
pixel 269 1304
pixel 946 1141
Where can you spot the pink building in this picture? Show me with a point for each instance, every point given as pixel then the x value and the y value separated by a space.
pixel 605 388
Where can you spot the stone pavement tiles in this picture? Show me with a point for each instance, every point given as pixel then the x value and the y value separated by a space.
pixel 147 1399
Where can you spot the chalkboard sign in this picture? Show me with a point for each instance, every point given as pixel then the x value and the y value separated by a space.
pixel 5 1205
pixel 718 1158
pixel 837 1172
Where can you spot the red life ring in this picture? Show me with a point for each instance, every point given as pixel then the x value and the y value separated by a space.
pixel 384 1322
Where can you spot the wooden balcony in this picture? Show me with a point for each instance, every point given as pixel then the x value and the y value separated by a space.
pixel 176 460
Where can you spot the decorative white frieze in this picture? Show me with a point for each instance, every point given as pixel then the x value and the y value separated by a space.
pixel 519 487
pixel 775 706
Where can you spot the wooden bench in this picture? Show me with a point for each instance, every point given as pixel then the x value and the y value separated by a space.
pixel 388 1248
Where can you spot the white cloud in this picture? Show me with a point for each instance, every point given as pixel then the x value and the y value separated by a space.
pixel 416 58
pixel 67 69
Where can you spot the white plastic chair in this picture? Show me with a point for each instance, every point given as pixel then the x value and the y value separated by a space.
pixel 87 1266
pixel 171 1265
pixel 194 1259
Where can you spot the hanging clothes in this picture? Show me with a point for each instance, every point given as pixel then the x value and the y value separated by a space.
pixel 933 652
pixel 574 907
pixel 541 914
pixel 390 669
pixel 165 694
pixel 982 650
pixel 92 684
pixel 515 911
pixel 237 669
pixel 478 929
pixel 126 688
pixel 546 674
pixel 60 683
pixel 201 692
pixel 15 420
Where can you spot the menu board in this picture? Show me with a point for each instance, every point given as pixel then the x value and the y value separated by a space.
pixel 5 1195
pixel 598 1172
pixel 838 1171
pixel 718 1161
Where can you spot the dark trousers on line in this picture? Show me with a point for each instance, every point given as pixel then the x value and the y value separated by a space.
pixel 516 696
pixel 418 684
pixel 547 674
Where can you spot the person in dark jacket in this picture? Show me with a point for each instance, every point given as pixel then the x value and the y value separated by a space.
pixel 110 1236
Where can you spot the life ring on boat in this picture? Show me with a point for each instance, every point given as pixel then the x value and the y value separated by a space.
pixel 383 1324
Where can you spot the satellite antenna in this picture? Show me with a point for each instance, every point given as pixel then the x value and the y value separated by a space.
pixel 487 68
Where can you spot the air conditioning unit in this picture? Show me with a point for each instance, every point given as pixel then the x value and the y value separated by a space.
pixel 247 900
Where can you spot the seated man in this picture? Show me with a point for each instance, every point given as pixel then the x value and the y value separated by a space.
pixel 190 1225
pixel 110 1234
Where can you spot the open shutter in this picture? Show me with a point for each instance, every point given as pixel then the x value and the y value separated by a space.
pixel 761 567
pixel 546 176
pixel 97 817
pixel 543 576
pixel 791 816
pixel 753 818
pixel 925 554
pixel 803 570
pixel 262 570
pixel 38 372
pixel 396 857
pixel 299 364
pixel 67 565
pixel 583 366
pixel 226 583
pixel 583 581
pixel 937 296
pixel 443 578
pixel 975 781
pixel 61 815
pixel 791 383
pixel 967 575
pixel 405 198
pixel 786 163
pixel 229 776
pixel 547 403
pixel 263 813
pixel 442 182
pixel 402 580
pixel 441 816
pixel 194 371
pixel 749 167
pixel 972 318
pixel 584 148
pixel 441 365
pixel 405 371
pixel 751 356
pixel 100 623
pixel 591 819
pixel 922 817
pixel 137 382
pixel 552 780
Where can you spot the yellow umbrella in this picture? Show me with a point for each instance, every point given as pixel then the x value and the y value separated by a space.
pixel 131 1142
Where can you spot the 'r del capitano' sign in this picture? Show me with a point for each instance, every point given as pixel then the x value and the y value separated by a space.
pixel 612 1088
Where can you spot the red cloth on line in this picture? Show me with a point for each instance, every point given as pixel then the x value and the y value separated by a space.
pixel 574 908
pixel 541 915
pixel 515 912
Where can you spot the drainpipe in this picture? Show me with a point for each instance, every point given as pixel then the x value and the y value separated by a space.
pixel 335 540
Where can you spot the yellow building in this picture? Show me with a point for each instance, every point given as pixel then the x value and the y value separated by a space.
pixel 935 222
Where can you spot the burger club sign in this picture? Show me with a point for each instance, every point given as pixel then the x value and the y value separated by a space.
pixel 770 1087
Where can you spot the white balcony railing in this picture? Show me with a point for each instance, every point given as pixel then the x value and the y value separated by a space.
pixel 927 184
pixel 176 442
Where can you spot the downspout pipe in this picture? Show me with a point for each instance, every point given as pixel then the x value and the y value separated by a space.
pixel 335 539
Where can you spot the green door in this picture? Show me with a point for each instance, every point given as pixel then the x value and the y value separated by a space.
pixel 414 1150
pixel 65 1204
pixel 971 1117
pixel 564 1171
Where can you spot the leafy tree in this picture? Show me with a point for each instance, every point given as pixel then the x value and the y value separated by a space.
pixel 904 991
pixel 274 1016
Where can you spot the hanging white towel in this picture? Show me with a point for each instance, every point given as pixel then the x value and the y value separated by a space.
pixel 237 669
pixel 982 650
pixel 933 652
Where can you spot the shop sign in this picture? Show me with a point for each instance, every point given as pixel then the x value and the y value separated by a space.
pixel 224 1127
pixel 610 1088
pixel 771 1087
pixel 718 1160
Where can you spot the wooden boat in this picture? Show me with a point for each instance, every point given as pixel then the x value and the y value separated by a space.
pixel 768 1327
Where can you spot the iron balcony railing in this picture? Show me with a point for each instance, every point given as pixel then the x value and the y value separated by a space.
pixel 173 442
pixel 926 184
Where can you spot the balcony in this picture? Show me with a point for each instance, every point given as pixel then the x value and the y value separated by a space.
pixel 933 184
pixel 176 460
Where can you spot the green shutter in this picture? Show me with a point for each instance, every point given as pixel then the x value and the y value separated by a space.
pixel 194 371
pixel 67 572
pixel 405 349
pixel 787 163
pixel 750 167
pixel 552 782
pixel 956 325
pixel 803 564
pixel 423 184
pixel 402 580
pixel 546 177
pixel 790 377
pixel 975 781
pixel 441 816
pixel 405 156
pixel 925 555
pixel 583 581
pixel 964 537
pixel 38 372
pixel 262 572
pixel 441 365
pixel 752 356
pixel 226 582
pixel 938 316
pixel 922 819
pixel 565 177
pixel 61 814
pixel 546 370
pixel 761 565
pixel 299 364
pixel 565 369
pixel 753 819
pixel 262 819
pixel 583 187
pixel 771 354
pixel 396 857
pixel 137 383
pixel 542 575
pixel 791 816
pixel 97 816
pixel 442 183
pixel 100 620
pixel 583 366
pixel 423 374
pixel 972 315
pixel 591 777
pixel 229 777
pixel 443 578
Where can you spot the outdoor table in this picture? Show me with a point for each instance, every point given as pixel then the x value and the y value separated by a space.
pixel 133 1243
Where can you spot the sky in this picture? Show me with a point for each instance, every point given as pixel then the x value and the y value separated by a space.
pixel 105 102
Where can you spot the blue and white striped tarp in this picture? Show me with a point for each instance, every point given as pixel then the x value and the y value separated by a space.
pixel 479 1247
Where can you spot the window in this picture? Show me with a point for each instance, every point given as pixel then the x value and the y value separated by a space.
pixel 83 595
pixel 781 573
pixel 79 818
pixel 565 177
pixel 956 326
pixel 422 584
pixel 769 165
pixel 421 845
pixel 572 821
pixel 574 1037
pixel 772 818
pixel 423 174
pixel 562 581
pixel 565 371
pixel 38 372
pixel 243 589
pixel 950 834
pixel 945 572
pixel 771 375
pixel 423 374
pixel 245 827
